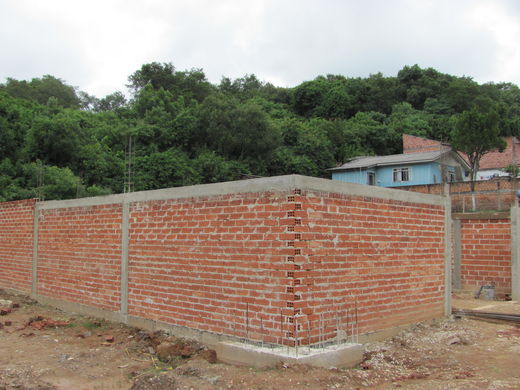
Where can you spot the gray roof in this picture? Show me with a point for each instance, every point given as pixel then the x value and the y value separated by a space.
pixel 395 159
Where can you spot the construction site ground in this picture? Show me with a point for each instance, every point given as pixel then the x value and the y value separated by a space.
pixel 42 348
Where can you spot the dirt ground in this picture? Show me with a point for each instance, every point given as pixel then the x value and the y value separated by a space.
pixel 42 348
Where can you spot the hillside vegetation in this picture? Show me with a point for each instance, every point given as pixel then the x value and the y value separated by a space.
pixel 57 142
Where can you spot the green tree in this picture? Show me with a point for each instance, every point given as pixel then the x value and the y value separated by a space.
pixel 406 120
pixel 370 133
pixel 171 168
pixel 191 84
pixel 476 133
pixel 41 89
pixel 56 139
pixel 212 168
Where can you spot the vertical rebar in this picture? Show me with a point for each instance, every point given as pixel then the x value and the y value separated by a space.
pixel 309 334
pixel 296 335
pixel 337 330
pixel 262 331
pixel 357 324
pixel 341 325
pixel 247 321
pixel 321 330
pixel 281 328
pixel 348 322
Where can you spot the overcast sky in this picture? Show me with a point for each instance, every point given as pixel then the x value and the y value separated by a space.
pixel 95 45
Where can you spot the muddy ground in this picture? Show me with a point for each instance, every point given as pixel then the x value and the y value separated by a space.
pixel 42 348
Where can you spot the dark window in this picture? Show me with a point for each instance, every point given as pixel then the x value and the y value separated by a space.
pixel 451 176
pixel 371 178
pixel 401 174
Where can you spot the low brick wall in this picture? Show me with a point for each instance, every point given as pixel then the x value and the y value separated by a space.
pixel 485 251
pixel 79 255
pixel 496 194
pixel 381 260
pixel 16 244
pixel 285 260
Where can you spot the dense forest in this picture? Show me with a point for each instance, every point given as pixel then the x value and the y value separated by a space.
pixel 57 142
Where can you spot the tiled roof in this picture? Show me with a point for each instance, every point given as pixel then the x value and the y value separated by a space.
pixel 394 159
pixel 492 160
pixel 497 160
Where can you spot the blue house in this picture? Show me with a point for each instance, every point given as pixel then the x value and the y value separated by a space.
pixel 396 170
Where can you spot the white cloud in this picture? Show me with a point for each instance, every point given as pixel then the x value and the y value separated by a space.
pixel 506 30
pixel 96 45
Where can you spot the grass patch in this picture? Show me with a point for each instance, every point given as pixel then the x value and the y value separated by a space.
pixel 93 324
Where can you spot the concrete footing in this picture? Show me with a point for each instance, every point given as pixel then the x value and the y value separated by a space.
pixel 344 355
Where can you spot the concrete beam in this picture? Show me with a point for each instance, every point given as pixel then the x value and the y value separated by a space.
pixel 515 253
pixel 447 255
pixel 344 355
pixel 34 270
pixel 457 253
pixel 275 184
pixel 124 261
pixel 73 307
pixel 482 215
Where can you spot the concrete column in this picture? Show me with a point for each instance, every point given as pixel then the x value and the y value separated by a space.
pixel 124 261
pixel 34 286
pixel 447 255
pixel 515 253
pixel 457 253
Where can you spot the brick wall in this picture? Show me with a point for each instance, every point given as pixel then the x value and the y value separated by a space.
pixel 16 242
pixel 414 144
pixel 276 259
pixel 212 263
pixel 495 194
pixel 486 254
pixel 79 255
pixel 384 258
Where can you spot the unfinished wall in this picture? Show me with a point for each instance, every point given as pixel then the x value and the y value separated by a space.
pixel 211 263
pixel 485 251
pixel 16 243
pixel 382 258
pixel 79 254
pixel 496 194
pixel 286 260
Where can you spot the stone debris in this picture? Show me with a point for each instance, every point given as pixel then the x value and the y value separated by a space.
pixel 5 303
pixel 154 382
pixel 40 323
pixel 454 340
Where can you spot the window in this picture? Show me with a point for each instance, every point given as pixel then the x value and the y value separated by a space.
pixel 401 174
pixel 451 176
pixel 371 178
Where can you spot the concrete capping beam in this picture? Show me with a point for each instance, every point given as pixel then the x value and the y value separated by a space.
pixel 482 215
pixel 515 253
pixel 275 184
pixel 336 186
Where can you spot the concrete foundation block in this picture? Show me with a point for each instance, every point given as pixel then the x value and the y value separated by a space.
pixel 344 355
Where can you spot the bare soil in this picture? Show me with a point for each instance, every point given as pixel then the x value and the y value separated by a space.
pixel 46 349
